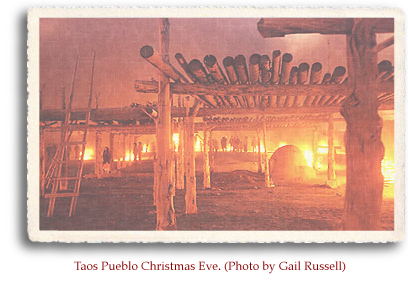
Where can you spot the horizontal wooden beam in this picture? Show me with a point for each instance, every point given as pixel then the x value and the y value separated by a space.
pixel 106 114
pixel 118 114
pixel 338 90
pixel 279 27
pixel 128 129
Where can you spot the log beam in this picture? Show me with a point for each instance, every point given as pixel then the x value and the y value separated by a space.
pixel 259 90
pixel 207 148
pixel 166 219
pixel 180 176
pixel 331 173
pixel 191 192
pixel 98 153
pixel 265 154
pixel 259 151
pixel 315 146
pixel 161 63
pixel 279 27
pixel 364 148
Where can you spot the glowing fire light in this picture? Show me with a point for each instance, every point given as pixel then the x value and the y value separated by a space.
pixel 309 157
pixel 322 150
pixel 176 141
pixel 229 147
pixel 127 157
pixel 197 145
pixel 281 144
pixel 387 169
pixel 89 154
pixel 256 149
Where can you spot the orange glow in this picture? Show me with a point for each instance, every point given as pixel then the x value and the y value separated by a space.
pixel 128 156
pixel 387 169
pixel 281 144
pixel 89 154
pixel 176 141
pixel 197 145
pixel 323 148
pixel 256 149
pixel 229 147
pixel 145 148
pixel 308 154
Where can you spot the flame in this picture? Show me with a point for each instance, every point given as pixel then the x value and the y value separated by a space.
pixel 309 157
pixel 323 147
pixel 89 154
pixel 387 169
pixel 128 156
pixel 176 141
pixel 197 145
pixel 145 148
pixel 281 144
pixel 256 148
pixel 229 147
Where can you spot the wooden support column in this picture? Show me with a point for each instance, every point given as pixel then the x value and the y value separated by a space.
pixel 190 198
pixel 112 150
pixel 331 172
pixel 180 176
pixel 166 219
pixel 265 154
pixel 207 147
pixel 315 150
pixel 43 159
pixel 211 153
pixel 364 148
pixel 125 139
pixel 98 154
pixel 259 151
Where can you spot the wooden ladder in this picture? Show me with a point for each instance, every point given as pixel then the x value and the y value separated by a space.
pixel 58 178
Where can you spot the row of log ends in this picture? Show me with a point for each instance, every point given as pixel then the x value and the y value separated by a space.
pixel 260 119
pixel 258 70
pixel 261 70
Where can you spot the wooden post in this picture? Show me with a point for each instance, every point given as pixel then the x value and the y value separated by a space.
pixel 259 152
pixel 124 146
pixel 112 149
pixel 364 148
pixel 42 162
pixel 207 173
pixel 211 152
pixel 266 166
pixel 166 219
pixel 190 198
pixel 180 157
pixel 331 173
pixel 315 150
pixel 98 152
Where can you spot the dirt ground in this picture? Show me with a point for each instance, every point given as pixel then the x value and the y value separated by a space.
pixel 236 201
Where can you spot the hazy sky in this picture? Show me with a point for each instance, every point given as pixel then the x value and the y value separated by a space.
pixel 117 43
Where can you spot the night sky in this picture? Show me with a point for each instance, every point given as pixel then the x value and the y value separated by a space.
pixel 117 43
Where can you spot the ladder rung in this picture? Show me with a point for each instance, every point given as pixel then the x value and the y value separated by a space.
pixel 64 178
pixel 73 143
pixel 56 195
pixel 68 161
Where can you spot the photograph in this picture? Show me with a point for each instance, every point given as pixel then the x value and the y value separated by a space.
pixel 213 126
